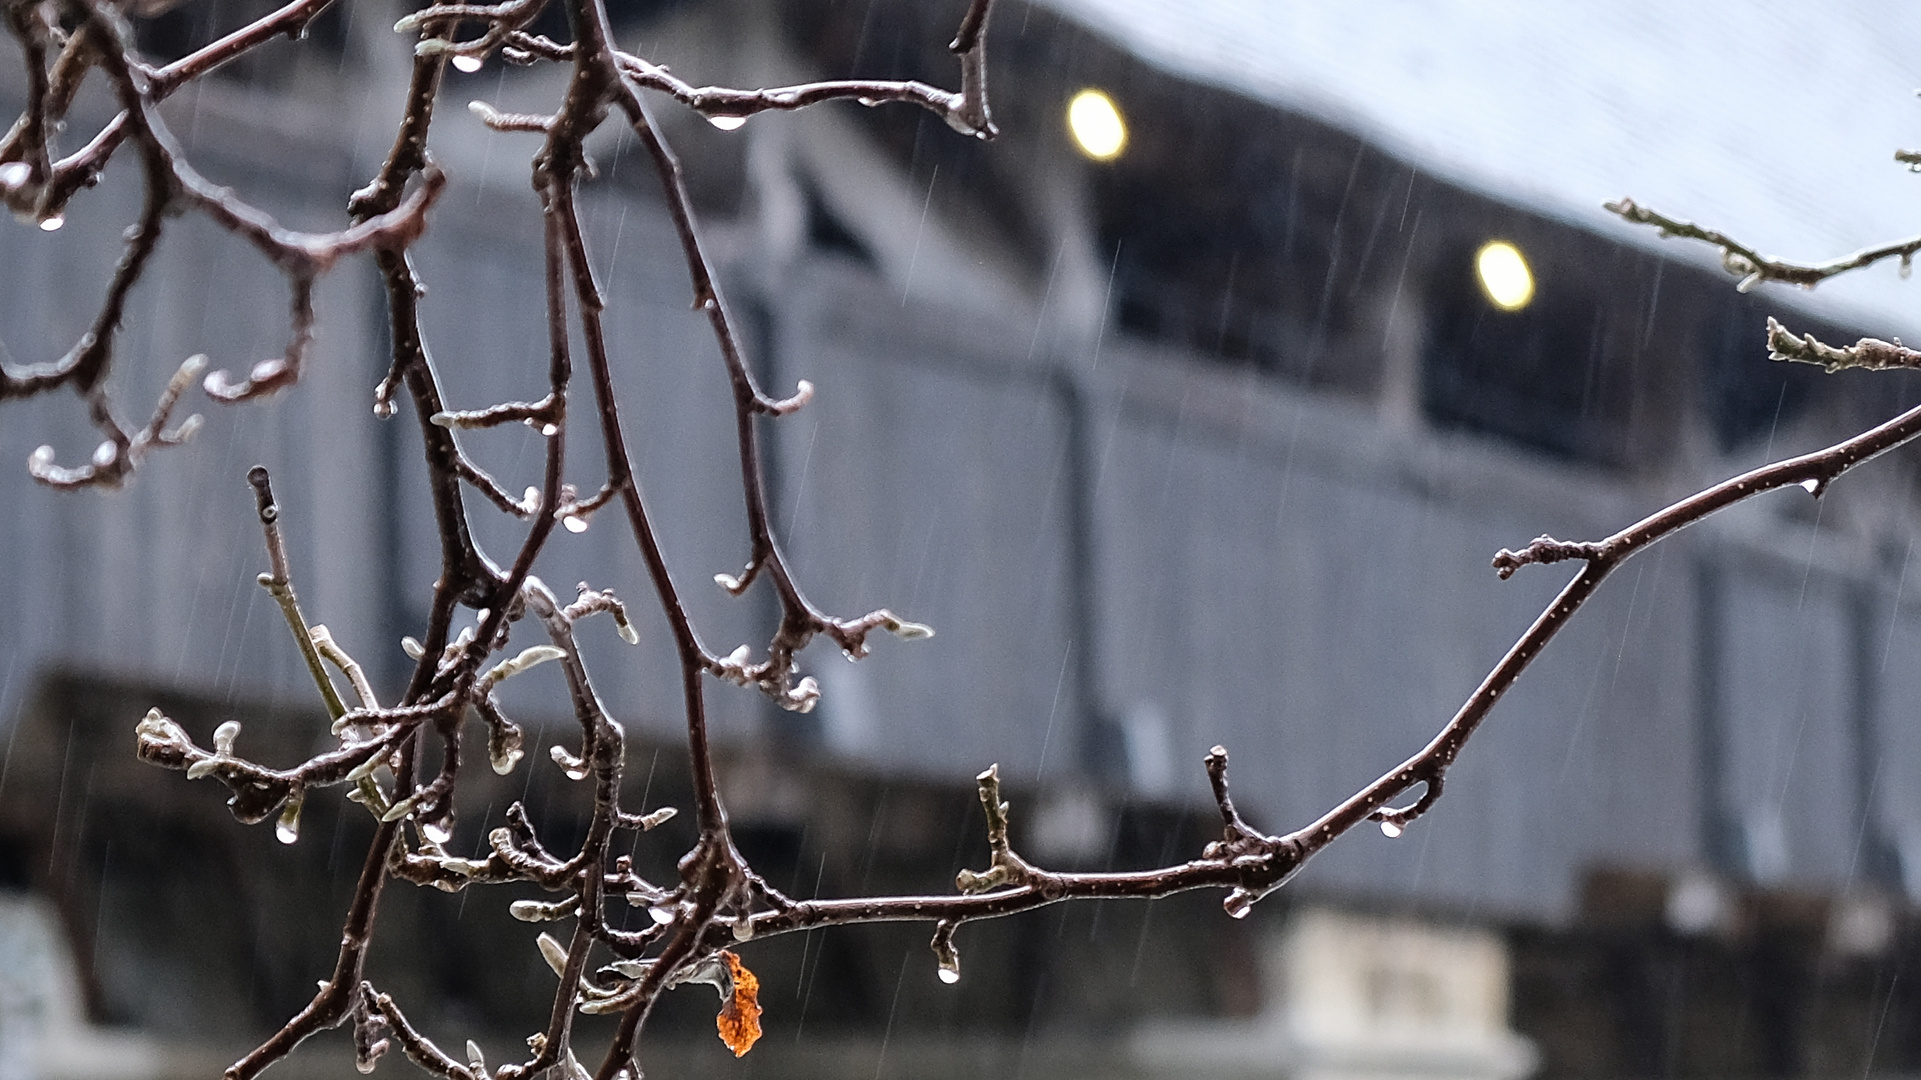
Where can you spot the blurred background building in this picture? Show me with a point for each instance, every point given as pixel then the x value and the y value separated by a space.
pixel 1194 420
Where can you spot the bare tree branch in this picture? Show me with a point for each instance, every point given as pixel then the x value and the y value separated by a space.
pixel 1751 266
pixel 718 899
pixel 1871 353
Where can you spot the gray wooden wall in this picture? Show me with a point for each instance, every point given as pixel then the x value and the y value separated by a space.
pixel 1116 544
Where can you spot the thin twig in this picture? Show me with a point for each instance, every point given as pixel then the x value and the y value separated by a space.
pixel 1870 353
pixel 1751 266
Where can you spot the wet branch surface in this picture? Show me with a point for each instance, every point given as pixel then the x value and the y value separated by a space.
pixel 717 902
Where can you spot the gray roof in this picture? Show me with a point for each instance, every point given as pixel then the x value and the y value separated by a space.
pixel 1773 120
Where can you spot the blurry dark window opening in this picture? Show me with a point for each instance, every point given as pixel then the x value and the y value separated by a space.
pixel 16 861
pixel 1745 394
pixel 830 235
pixel 1246 234
pixel 1548 376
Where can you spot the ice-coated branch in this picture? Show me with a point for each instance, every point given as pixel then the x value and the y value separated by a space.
pixel 103 40
pixel 1751 266
pixel 1870 353
pixel 278 582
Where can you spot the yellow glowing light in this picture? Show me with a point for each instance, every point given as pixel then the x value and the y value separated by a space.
pixel 1095 122
pixel 1504 275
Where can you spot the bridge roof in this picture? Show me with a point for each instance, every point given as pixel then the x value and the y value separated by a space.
pixel 1774 121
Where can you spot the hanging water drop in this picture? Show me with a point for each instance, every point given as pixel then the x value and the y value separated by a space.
pixel 575 523
pixel 52 223
pixel 550 430
pixel 439 831
pixel 946 956
pixel 468 64
pixel 727 123
pixel 1811 486
pixel 1390 830
pixel 1239 903
pixel 662 914
pixel 287 829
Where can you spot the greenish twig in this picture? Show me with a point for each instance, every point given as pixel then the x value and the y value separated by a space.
pixel 280 586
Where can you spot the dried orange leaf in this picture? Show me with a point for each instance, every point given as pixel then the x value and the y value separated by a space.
pixel 739 1019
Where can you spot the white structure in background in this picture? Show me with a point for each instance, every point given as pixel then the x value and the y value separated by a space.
pixel 1561 107
pixel 44 1034
pixel 1349 997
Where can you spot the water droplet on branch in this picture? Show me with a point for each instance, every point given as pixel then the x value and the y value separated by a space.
pixel 287 829
pixel 727 123
pixel 575 768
